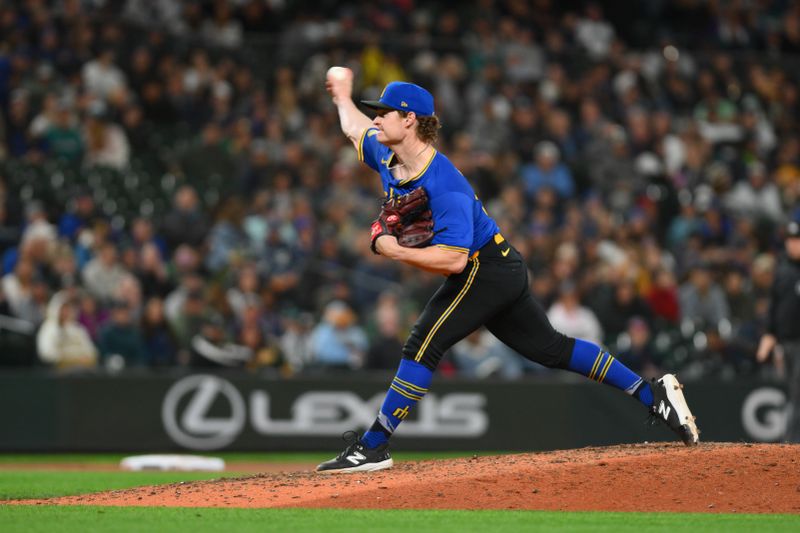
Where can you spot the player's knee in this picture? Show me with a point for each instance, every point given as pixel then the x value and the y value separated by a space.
pixel 557 353
pixel 428 357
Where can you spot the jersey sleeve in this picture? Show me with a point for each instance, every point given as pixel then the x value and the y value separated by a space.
pixel 370 151
pixel 452 221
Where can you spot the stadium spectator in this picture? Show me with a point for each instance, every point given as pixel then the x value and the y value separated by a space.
pixel 211 349
pixel 254 334
pixel 547 171
pixel 103 78
pixel 103 274
pixel 481 355
pixel 159 341
pixel 81 213
pixel 663 296
pixel 39 236
pixel 18 288
pixel 189 317
pixel 106 142
pixel 90 315
pixel 62 135
pixel 387 339
pixel 594 33
pixel 636 349
pixel 62 341
pixel 570 317
pixel 295 344
pixel 120 340
pixel 702 301
pixel 152 272
pixel 756 198
pixel 338 342
pixel 679 147
pixel 187 223
pixel 619 304
pixel 246 290
pixel 227 242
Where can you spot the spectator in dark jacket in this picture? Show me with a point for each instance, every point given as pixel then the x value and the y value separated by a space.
pixel 159 341
pixel 187 223
pixel 121 343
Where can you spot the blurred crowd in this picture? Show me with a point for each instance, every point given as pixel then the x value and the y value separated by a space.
pixel 175 189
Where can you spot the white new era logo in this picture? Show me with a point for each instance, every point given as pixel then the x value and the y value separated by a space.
pixel 663 410
pixel 355 458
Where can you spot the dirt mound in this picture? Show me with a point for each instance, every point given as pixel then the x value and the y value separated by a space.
pixel 713 477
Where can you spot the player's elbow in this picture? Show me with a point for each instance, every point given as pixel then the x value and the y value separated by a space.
pixel 457 263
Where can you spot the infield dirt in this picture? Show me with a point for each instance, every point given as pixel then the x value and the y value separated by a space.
pixel 712 477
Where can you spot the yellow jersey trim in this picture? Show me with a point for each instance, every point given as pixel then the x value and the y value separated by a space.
pixel 449 310
pixel 360 148
pixel 458 249
pixel 421 172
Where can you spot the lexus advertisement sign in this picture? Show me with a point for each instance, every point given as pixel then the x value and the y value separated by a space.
pixel 208 412
pixel 186 414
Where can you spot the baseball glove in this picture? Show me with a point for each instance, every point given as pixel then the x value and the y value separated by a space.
pixel 407 217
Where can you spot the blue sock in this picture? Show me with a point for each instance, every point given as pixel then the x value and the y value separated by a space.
pixel 408 387
pixel 591 361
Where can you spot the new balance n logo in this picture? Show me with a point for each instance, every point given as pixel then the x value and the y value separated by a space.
pixel 663 409
pixel 356 458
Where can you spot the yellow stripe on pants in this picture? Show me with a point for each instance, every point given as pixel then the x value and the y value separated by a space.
pixel 449 310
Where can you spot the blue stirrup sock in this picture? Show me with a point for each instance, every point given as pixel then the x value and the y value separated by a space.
pixel 408 387
pixel 590 360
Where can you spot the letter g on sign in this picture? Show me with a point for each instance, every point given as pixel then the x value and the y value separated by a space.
pixel 764 414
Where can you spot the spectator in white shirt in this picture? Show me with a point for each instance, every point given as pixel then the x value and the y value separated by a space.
pixel 103 78
pixel 568 316
pixel 62 341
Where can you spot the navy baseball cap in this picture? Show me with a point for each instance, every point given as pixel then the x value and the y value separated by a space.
pixel 403 96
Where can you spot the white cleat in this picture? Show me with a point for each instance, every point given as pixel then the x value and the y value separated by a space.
pixel 669 406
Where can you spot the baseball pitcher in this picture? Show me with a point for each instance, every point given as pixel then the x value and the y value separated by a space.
pixel 433 220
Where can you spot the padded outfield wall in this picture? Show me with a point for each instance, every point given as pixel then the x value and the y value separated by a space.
pixel 209 412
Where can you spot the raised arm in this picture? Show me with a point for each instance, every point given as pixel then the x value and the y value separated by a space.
pixel 339 83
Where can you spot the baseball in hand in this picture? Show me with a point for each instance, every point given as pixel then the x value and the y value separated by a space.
pixel 337 73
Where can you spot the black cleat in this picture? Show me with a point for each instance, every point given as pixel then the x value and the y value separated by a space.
pixel 357 457
pixel 669 406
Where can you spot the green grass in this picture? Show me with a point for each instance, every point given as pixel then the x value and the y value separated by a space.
pixel 254 457
pixel 34 484
pixel 122 519
pixel 69 519
pixel 24 484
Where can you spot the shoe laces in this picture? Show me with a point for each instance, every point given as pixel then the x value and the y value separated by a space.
pixel 352 439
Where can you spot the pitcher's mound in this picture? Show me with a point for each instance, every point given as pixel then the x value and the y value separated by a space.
pixel 713 477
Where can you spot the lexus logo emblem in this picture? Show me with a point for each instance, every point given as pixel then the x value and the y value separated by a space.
pixel 189 422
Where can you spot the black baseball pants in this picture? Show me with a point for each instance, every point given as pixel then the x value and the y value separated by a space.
pixel 493 291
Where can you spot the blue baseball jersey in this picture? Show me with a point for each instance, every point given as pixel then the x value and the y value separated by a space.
pixel 459 220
